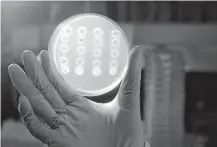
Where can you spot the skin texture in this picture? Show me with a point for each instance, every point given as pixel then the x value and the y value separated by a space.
pixel 60 118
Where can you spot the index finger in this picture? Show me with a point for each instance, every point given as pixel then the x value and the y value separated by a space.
pixel 25 87
pixel 36 73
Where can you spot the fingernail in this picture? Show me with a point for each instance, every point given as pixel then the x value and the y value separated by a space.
pixel 41 52
pixel 24 54
pixel 11 67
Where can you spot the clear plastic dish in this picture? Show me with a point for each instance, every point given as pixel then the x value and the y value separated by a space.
pixel 89 53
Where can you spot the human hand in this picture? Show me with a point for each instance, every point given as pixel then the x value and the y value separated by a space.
pixel 60 118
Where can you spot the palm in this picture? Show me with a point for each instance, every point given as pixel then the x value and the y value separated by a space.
pixel 73 120
pixel 100 120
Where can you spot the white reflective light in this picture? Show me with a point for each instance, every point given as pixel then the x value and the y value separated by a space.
pixel 79 61
pixel 114 53
pixel 79 70
pixel 80 50
pixel 63 48
pixel 63 60
pixel 96 63
pixel 97 53
pixel 97 31
pixel 113 71
pixel 82 30
pixel 96 71
pixel 65 70
pixel 115 33
pixel 80 39
pixel 89 53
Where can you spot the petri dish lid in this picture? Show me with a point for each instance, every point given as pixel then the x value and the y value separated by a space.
pixel 89 53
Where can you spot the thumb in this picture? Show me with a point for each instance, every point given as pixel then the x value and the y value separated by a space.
pixel 129 93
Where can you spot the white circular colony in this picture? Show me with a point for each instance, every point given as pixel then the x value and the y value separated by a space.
pixel 63 38
pixel 113 71
pixel 113 64
pixel 114 53
pixel 63 60
pixel 115 33
pixel 80 39
pixel 96 63
pixel 80 50
pixel 115 42
pixel 97 41
pixel 97 53
pixel 63 48
pixel 65 70
pixel 96 71
pixel 97 31
pixel 79 70
pixel 82 31
pixel 80 61
pixel 68 30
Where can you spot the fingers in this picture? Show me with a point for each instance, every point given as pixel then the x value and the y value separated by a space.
pixel 129 93
pixel 63 91
pixel 38 76
pixel 25 87
pixel 35 126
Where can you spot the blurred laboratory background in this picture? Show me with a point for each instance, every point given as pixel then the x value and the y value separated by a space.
pixel 179 96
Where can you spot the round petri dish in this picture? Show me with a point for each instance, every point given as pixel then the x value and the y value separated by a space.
pixel 89 53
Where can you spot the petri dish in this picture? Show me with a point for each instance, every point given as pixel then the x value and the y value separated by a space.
pixel 82 49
